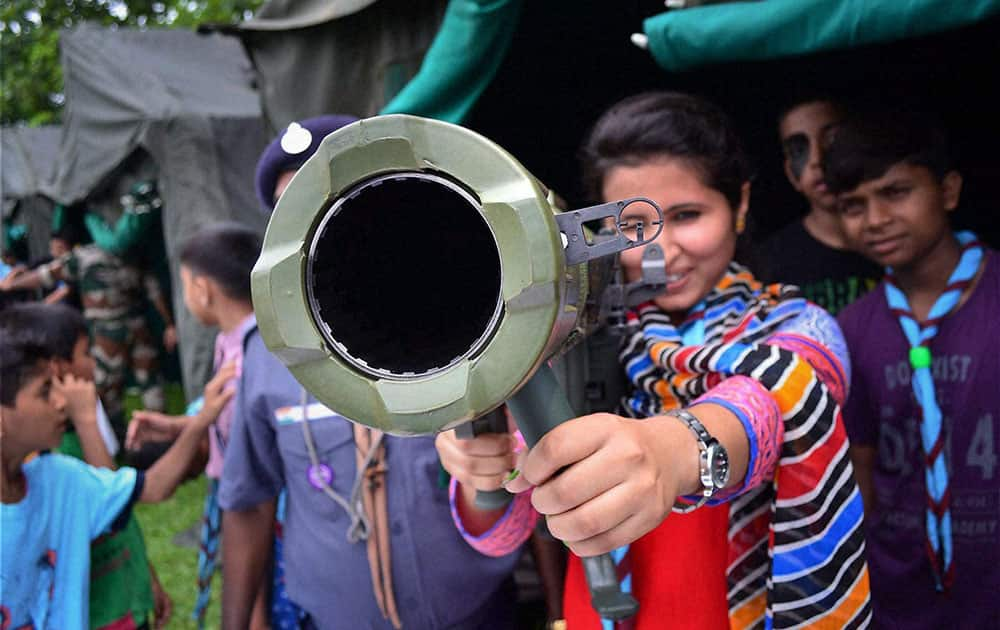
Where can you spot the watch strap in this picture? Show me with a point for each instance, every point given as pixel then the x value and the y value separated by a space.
pixel 704 440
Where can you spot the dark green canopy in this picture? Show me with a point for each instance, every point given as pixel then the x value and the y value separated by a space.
pixel 475 36
pixel 318 57
pixel 771 29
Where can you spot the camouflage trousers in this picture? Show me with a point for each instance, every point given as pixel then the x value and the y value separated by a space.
pixel 123 348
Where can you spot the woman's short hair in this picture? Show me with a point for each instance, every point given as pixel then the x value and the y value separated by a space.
pixel 672 125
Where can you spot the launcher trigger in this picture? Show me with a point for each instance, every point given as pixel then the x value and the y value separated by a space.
pixel 579 247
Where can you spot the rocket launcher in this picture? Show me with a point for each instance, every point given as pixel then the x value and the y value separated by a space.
pixel 415 277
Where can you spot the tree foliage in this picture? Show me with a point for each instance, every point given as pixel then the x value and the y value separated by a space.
pixel 30 72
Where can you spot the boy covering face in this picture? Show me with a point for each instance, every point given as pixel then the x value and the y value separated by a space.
pixel 53 506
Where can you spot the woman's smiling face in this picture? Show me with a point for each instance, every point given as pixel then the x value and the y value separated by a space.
pixel 698 237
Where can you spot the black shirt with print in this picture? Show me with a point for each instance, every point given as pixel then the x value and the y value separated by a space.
pixel 831 278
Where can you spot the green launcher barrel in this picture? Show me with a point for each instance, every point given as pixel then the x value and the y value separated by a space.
pixel 413 276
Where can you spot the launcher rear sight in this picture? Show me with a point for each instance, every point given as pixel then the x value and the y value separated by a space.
pixel 611 240
pixel 579 248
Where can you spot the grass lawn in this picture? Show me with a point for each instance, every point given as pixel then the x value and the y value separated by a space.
pixel 178 566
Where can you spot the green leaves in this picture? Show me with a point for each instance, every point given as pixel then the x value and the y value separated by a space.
pixel 30 74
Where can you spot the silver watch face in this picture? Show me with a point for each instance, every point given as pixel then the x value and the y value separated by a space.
pixel 718 462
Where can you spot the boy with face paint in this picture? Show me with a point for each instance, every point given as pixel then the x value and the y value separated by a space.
pixel 812 252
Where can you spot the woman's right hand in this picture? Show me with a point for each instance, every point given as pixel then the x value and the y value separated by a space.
pixel 481 463
pixel 603 481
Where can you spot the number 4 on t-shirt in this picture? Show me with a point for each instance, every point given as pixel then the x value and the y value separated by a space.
pixel 982 449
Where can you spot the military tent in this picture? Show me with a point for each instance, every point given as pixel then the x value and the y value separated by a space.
pixel 170 105
pixel 28 157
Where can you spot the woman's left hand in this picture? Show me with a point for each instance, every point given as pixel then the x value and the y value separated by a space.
pixel 603 480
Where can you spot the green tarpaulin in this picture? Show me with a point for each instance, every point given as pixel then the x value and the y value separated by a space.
pixel 318 57
pixel 771 29
pixel 167 105
pixel 471 43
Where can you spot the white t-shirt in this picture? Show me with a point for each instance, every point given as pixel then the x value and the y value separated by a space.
pixel 107 433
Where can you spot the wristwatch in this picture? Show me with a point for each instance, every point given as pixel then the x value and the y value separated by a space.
pixel 713 460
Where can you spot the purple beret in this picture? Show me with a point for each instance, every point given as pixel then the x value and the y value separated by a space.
pixel 290 150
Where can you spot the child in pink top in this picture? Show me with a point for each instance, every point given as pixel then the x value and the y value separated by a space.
pixel 215 272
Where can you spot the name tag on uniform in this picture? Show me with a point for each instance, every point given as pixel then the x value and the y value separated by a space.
pixel 294 414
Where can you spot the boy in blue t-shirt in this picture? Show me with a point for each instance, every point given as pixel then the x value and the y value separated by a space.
pixel 55 506
pixel 124 589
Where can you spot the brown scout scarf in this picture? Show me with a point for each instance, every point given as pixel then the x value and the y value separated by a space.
pixel 374 501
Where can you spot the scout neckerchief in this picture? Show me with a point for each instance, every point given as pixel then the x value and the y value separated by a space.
pixel 370 457
pixel 726 335
pixel 919 335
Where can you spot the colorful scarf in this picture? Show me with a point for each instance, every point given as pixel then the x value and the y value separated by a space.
pixel 919 335
pixel 208 551
pixel 805 525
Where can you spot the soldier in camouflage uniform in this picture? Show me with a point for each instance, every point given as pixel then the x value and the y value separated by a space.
pixel 112 292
